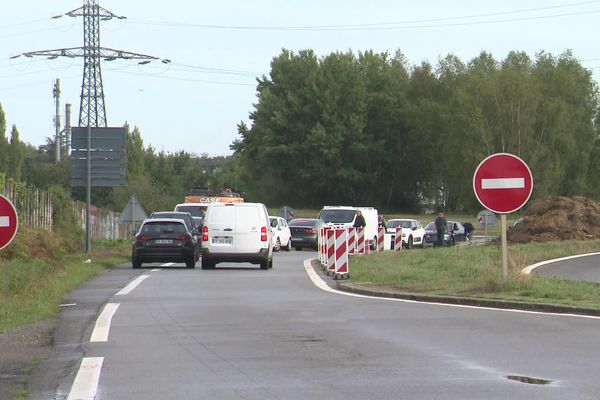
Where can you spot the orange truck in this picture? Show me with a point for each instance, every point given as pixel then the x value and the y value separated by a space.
pixel 196 204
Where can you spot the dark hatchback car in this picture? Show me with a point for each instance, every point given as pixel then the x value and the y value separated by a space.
pixel 190 222
pixel 305 232
pixel 164 240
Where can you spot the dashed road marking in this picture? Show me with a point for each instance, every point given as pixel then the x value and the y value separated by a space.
pixel 127 289
pixel 102 327
pixel 85 385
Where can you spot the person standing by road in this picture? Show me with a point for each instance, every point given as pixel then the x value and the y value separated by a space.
pixel 441 225
pixel 469 229
pixel 359 221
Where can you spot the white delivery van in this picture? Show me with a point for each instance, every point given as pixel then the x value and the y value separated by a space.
pixel 344 217
pixel 236 232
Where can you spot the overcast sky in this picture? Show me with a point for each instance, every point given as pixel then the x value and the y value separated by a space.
pixel 218 48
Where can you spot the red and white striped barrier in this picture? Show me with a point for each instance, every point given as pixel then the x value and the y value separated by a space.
pixel 380 239
pixel 398 240
pixel 351 241
pixel 341 253
pixel 330 233
pixel 360 241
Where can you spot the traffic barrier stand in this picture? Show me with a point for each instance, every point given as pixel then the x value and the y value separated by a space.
pixel 351 241
pixel 398 240
pixel 324 245
pixel 321 246
pixel 380 238
pixel 330 268
pixel 360 241
pixel 341 255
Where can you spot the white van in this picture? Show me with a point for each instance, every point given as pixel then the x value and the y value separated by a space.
pixel 237 232
pixel 344 217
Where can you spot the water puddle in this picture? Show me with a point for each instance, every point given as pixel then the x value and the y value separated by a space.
pixel 529 380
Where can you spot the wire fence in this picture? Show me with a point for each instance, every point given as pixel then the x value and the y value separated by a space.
pixel 35 210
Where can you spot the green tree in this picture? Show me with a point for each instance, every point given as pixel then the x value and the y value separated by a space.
pixel 16 155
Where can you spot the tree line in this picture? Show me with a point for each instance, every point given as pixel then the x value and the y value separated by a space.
pixel 370 129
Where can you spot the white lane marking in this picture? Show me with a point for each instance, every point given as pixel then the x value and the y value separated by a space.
pixel 85 385
pixel 102 327
pixel 127 289
pixel 529 269
pixel 167 264
pixel 503 183
pixel 4 222
pixel 321 284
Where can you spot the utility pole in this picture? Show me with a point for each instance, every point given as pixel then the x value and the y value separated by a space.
pixel 92 111
pixel 66 133
pixel 57 141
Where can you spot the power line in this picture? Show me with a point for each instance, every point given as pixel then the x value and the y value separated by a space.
pixel 187 79
pixel 389 25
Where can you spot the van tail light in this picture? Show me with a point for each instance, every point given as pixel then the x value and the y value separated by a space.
pixel 205 233
pixel 263 234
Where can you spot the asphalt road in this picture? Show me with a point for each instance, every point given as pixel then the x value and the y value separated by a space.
pixel 238 332
pixel 586 268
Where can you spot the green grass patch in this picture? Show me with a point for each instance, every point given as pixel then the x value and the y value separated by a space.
pixel 476 271
pixel 35 277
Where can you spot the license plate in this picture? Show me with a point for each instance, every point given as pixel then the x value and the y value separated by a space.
pixel 222 240
pixel 163 241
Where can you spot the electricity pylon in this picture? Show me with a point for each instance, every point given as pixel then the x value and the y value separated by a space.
pixel 92 111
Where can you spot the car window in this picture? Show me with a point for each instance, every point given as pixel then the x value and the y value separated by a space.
pixel 430 226
pixel 303 222
pixel 396 224
pixel 337 216
pixel 184 216
pixel 163 227
pixel 196 211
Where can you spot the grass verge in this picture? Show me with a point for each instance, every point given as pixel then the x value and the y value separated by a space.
pixel 40 269
pixel 476 271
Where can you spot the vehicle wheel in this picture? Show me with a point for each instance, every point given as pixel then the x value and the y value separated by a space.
pixel 206 264
pixel 191 262
pixel 289 245
pixel 374 244
pixel 298 248
pixel 277 246
pixel 136 263
pixel 410 243
pixel 264 264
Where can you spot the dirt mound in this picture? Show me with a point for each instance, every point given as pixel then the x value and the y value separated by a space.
pixel 558 218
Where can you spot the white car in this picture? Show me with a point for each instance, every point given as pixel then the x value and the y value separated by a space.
pixel 413 233
pixel 237 232
pixel 282 236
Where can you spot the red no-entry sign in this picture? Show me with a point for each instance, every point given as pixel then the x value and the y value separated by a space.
pixel 9 222
pixel 503 183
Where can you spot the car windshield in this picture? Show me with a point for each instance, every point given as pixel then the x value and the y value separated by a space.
pixel 303 222
pixel 396 224
pixel 196 211
pixel 163 227
pixel 337 216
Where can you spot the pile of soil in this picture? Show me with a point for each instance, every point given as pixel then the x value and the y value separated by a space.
pixel 558 218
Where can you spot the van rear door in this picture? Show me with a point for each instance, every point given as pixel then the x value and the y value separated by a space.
pixel 248 229
pixel 222 225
